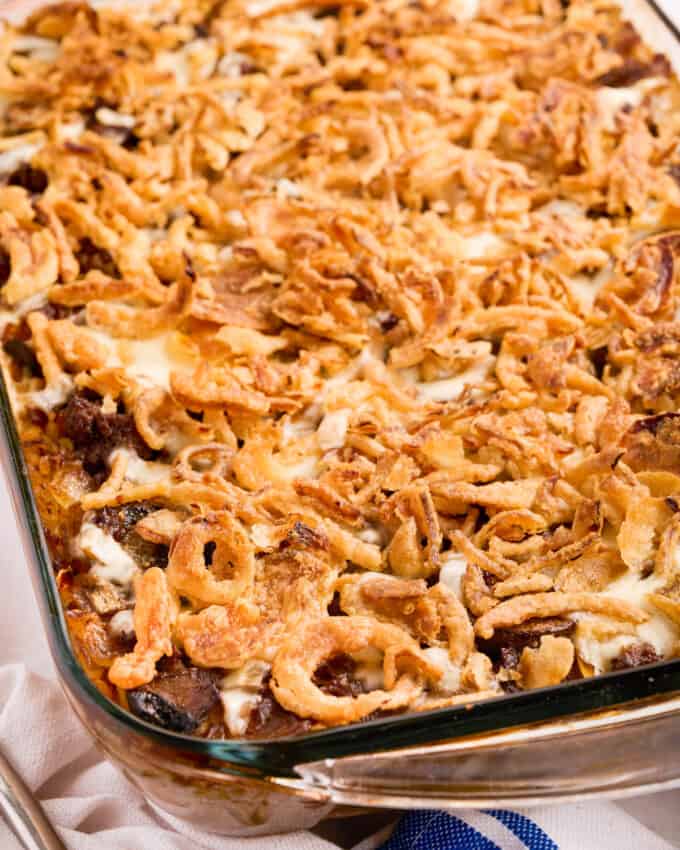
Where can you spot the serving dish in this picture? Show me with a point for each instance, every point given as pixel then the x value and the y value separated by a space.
pixel 501 751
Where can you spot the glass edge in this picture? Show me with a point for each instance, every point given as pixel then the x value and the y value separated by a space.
pixel 278 757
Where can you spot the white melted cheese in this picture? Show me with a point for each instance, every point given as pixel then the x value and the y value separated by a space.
pixel 300 22
pixel 187 63
pixel 464 10
pixel 53 395
pixel 260 7
pixel 44 49
pixel 304 468
pixel 585 287
pixel 452 572
pixel 657 631
pixel 610 101
pixel 562 209
pixel 372 534
pixel 111 118
pixel 11 159
pixel 231 63
pixel 332 430
pixel 449 389
pixel 449 684
pixel 33 302
pixel 140 471
pixel 122 624
pixel 71 132
pixel 235 218
pixel 481 245
pixel 112 562
pixel 150 361
pixel 240 692
pixel 369 667
pixel 286 188
pixel 262 535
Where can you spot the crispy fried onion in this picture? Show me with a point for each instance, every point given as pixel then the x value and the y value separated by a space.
pixel 231 568
pixel 119 320
pixel 405 668
pixel 206 464
pixel 221 635
pixel 548 664
pixel 154 615
pixel 211 387
pixel 425 613
pixel 522 608
pixel 33 260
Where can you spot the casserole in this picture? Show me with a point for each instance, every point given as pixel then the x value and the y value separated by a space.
pixel 242 786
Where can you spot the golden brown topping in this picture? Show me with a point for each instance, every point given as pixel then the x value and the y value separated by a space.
pixel 365 315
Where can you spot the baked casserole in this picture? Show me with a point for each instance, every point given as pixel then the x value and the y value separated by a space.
pixel 342 342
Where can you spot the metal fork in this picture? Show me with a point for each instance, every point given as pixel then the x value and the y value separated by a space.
pixel 23 812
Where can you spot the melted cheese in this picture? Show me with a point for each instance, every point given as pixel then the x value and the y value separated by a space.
pixel 235 218
pixel 53 395
pixel 481 245
pixel 230 64
pixel 11 159
pixel 149 361
pixel 369 667
pixel 657 631
pixel 140 471
pixel 286 188
pixel 300 21
pixel 111 118
pixel 112 562
pixel 449 683
pixel 44 49
pixel 452 572
pixel 71 132
pixel 449 389
pixel 610 101
pixel 122 624
pixel 464 10
pixel 585 287
pixel 195 61
pixel 240 692
pixel 332 430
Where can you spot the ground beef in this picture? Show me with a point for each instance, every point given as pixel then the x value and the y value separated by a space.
pixel 526 634
pixel 635 656
pixel 23 357
pixel 93 258
pixel 633 70
pixel 179 698
pixel 336 677
pixel 269 720
pixel 120 520
pixel 34 180
pixel 5 267
pixel 96 434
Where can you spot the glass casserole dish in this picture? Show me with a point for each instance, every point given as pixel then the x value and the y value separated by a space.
pixel 498 752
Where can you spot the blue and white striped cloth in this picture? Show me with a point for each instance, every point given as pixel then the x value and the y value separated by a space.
pixel 496 829
pixel 584 826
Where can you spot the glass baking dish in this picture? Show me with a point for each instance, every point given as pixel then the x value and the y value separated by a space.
pixel 612 735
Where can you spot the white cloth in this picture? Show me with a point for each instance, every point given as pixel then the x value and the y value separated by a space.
pixel 95 808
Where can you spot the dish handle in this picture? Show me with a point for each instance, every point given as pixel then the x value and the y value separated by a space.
pixel 608 753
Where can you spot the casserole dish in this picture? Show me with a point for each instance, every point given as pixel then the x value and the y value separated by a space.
pixel 501 751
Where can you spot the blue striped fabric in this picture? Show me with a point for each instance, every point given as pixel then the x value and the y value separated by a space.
pixel 525 829
pixel 428 830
